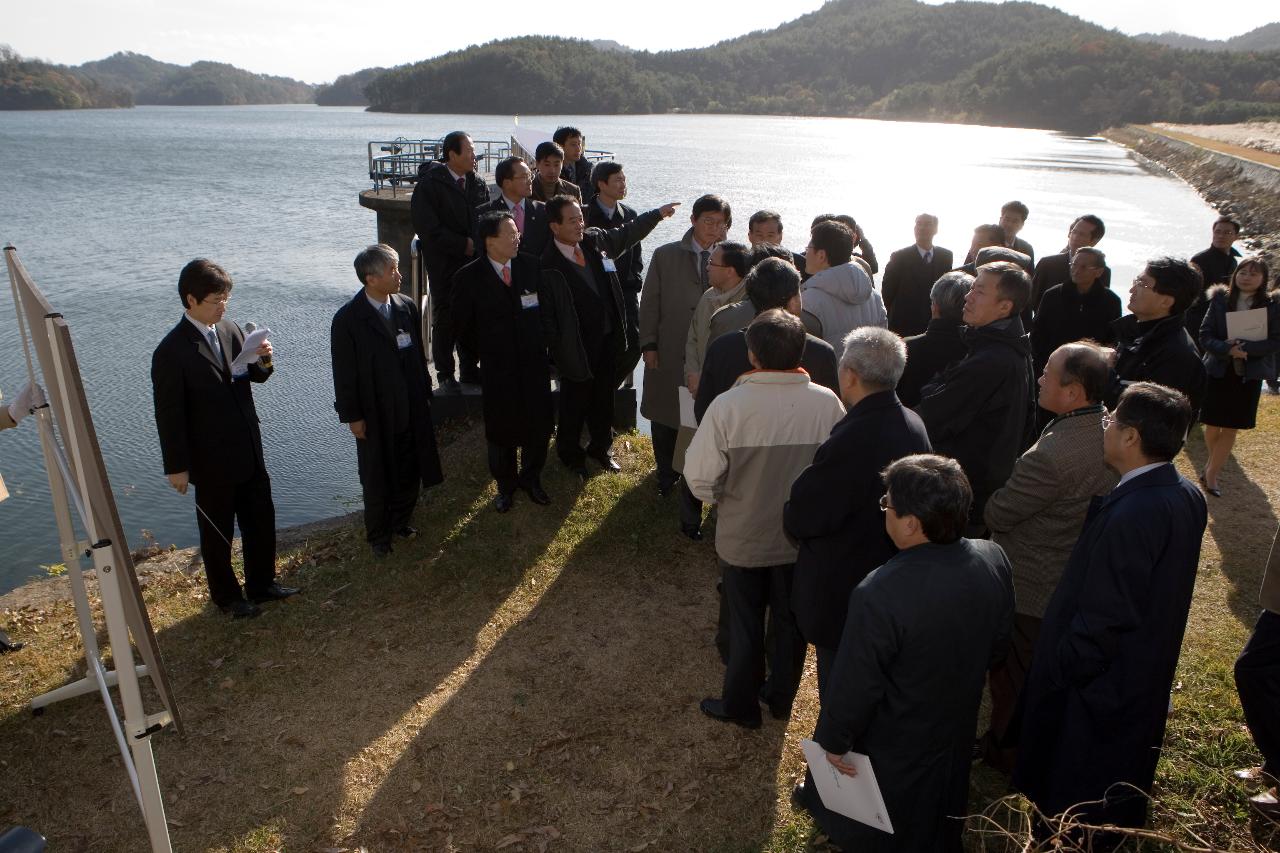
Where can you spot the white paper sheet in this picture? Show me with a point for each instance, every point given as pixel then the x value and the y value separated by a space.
pixel 856 797
pixel 1248 325
pixel 249 355
pixel 686 408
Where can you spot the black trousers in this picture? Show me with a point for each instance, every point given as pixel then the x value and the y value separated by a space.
pixel 1258 682
pixel 219 507
pixel 589 403
pixel 631 307
pixel 389 504
pixel 503 464
pixel 664 451
pixel 442 339
pixel 748 594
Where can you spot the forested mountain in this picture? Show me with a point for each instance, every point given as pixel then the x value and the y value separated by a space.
pixel 347 90
pixel 29 84
pixel 1014 63
pixel 1266 37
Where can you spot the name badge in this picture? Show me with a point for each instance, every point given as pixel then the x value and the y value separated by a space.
pixel 609 265
pixel 403 340
pixel 528 300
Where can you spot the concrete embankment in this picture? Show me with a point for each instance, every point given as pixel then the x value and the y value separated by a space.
pixel 1245 189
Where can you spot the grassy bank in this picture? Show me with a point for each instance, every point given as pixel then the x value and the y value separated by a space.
pixel 525 682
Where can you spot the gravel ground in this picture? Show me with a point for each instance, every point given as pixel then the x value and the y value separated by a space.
pixel 1262 135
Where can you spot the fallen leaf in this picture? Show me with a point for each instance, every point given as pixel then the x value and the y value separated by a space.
pixel 300 791
pixel 514 838
pixel 416 786
pixel 227 683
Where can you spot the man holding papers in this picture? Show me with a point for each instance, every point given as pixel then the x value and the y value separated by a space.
pixel 907 680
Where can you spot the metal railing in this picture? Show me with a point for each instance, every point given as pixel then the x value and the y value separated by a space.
pixel 396 162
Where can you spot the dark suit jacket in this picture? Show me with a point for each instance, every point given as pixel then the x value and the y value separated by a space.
pixel 1052 270
pixel 1096 699
pixel 207 422
pixel 726 360
pixel 928 355
pixel 444 217
pixel 1158 351
pixel 834 514
pixel 906 285
pixel 536 233
pixel 1065 316
pixel 630 265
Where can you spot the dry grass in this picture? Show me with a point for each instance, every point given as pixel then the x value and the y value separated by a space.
pixel 526 682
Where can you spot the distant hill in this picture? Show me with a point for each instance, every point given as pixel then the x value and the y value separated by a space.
pixel 1266 37
pixel 1017 63
pixel 347 90
pixel 30 84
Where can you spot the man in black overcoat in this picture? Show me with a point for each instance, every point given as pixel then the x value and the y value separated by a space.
pixel 515 182
pixel 382 392
pixel 584 317
pixel 1216 264
pixel 443 209
pixel 606 210
pixel 1085 231
pixel 941 345
pixel 1096 699
pixel 1080 309
pixel 920 633
pixel 910 274
pixel 497 315
pixel 209 438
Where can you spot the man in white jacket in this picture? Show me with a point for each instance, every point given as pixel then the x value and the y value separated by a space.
pixel 839 296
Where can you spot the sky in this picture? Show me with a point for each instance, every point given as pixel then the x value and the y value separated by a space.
pixel 316 40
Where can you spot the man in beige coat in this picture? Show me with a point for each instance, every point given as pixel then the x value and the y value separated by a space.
pixel 1037 516
pixel 675 281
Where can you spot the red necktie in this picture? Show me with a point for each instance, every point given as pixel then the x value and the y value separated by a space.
pixel 517 213
pixel 506 276
pixel 578 258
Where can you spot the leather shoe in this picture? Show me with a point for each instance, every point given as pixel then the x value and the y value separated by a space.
pixel 606 461
pixel 381 550
pixel 1266 804
pixel 275 592
pixel 777 711
pixel 503 503
pixel 692 532
pixel 449 385
pixel 536 493
pixel 714 708
pixel 241 609
pixel 799 798
pixel 666 487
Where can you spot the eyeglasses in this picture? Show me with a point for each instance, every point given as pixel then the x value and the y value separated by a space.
pixel 215 300
pixel 885 506
pixel 1138 282
pixel 1108 419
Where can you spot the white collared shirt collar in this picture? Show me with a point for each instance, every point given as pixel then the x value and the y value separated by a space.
pixel 567 251
pixel 923 252
pixel 1139 471
pixel 497 267
pixel 377 306
pixel 456 176
pixel 697 247
pixel 511 205
pixel 608 211
pixel 204 330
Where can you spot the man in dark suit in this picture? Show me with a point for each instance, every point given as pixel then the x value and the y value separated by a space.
pixel 910 274
pixel 1085 231
pixel 443 208
pixel 1097 696
pixel 833 514
pixel 583 312
pixel 607 211
pixel 382 392
pixel 209 438
pixel 941 345
pixel 1080 308
pixel 1013 216
pixel 1216 264
pixel 577 168
pixel 498 317
pixel 515 182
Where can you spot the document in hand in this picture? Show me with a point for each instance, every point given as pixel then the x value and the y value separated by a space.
pixel 1248 325
pixel 857 797
pixel 686 408
pixel 249 354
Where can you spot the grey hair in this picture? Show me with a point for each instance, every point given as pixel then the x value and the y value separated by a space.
pixel 876 354
pixel 948 293
pixel 1099 259
pixel 375 260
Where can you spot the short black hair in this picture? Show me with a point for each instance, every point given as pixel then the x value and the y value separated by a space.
pixel 711 203
pixel 776 337
pixel 736 255
pixel 1016 207
pixel 452 143
pixel 505 169
pixel 489 222
pixel 1161 416
pixel 1099 227
pixel 1177 278
pixel 202 278
pixel 772 283
pixel 556 206
pixel 1084 363
pixel 935 490
pixel 762 216
pixel 547 149
pixel 1012 284
pixel 564 133
pixel 1227 220
pixel 993 233
pixel 771 250
pixel 603 171
pixel 834 238
pixel 1099 257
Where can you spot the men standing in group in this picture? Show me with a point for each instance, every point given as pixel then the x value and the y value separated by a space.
pixel 547 183
pixel 1085 231
pixel 444 208
pixel 988 246
pixel 515 182
pixel 1037 515
pixel 726 272
pixel 753 442
pixel 838 295
pixel 942 344
pixel 1097 696
pixel 909 276
pixel 576 168
pixel 1079 309
pixel 921 631
pixel 676 279
pixel 382 392
pixel 498 317
pixel 209 438
pixel 583 311
pixel 606 210
pixel 1013 216
pixel 981 410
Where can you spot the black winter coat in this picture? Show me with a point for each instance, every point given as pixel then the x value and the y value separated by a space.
pixel 630 264
pixel 834 516
pixel 906 285
pixel 1157 351
pixel 1261 363
pixel 928 355
pixel 1052 270
pixel 727 359
pixel 536 233
pixel 1065 316
pixel 444 218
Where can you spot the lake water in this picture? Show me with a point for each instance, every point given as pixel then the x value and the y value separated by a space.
pixel 105 207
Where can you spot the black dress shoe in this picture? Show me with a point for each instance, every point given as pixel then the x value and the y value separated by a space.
pixel 407 532
pixel 275 592
pixel 241 609
pixel 449 385
pixel 536 493
pixel 692 532
pixel 666 487
pixel 799 798
pixel 606 461
pixel 503 503
pixel 714 708
pixel 381 550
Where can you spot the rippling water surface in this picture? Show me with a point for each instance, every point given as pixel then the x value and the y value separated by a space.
pixel 106 206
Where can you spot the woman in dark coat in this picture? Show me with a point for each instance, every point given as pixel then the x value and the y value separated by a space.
pixel 1235 368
